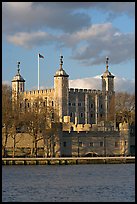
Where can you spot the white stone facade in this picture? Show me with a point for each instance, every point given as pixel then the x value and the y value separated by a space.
pixel 84 106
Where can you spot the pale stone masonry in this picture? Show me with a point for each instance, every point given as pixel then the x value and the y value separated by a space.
pixel 87 116
pixel 84 106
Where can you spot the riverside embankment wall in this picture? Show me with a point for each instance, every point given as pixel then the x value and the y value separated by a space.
pixel 68 160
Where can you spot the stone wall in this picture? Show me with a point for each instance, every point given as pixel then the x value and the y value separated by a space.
pixel 100 143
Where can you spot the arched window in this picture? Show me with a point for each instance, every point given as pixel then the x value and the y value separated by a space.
pixel 91 105
pixel 52 116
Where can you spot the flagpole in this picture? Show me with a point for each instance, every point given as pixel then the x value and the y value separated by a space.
pixel 38 71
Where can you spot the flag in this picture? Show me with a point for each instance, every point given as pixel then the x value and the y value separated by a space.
pixel 40 56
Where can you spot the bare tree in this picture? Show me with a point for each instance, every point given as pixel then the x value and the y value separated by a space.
pixel 39 124
pixel 12 118
pixel 6 115
pixel 18 121
pixel 125 107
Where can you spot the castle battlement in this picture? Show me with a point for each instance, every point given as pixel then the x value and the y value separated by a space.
pixel 94 91
pixel 38 92
pixel 82 105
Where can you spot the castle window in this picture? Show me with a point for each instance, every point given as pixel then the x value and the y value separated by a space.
pixel 25 102
pixel 101 106
pixel 73 104
pixel 69 104
pixel 71 128
pixel 101 115
pixel 101 144
pixel 20 105
pixel 116 144
pixel 64 144
pixel 81 115
pixel 71 114
pixel 28 105
pixel 91 144
pixel 79 104
pixel 52 116
pixel 91 105
pixel 44 103
pixel 52 103
pixel 91 115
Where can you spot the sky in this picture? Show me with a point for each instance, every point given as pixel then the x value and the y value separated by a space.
pixel 83 32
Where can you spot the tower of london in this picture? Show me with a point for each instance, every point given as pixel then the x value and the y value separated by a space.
pixel 86 116
pixel 80 106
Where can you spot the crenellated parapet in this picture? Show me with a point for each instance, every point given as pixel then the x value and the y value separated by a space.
pixel 92 91
pixel 38 92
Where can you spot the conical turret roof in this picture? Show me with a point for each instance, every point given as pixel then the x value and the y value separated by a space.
pixel 18 77
pixel 61 71
pixel 107 72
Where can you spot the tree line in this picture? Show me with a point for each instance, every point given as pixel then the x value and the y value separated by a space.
pixel 40 123
pixel 43 123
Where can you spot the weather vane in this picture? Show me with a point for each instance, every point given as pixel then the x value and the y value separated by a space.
pixel 107 58
pixel 61 61
pixel 18 64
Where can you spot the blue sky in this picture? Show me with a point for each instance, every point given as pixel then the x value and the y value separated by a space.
pixel 84 32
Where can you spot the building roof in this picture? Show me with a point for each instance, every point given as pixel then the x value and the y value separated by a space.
pixel 107 73
pixel 18 77
pixel 61 71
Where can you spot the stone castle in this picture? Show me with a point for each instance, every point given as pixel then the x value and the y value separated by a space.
pixel 87 116
pixel 83 106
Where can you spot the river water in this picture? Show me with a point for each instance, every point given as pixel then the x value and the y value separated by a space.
pixel 69 183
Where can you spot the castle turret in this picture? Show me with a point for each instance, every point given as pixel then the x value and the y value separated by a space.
pixel 18 83
pixel 107 79
pixel 61 90
pixel 108 91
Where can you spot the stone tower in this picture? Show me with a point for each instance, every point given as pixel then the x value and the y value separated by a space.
pixel 18 83
pixel 108 91
pixel 61 87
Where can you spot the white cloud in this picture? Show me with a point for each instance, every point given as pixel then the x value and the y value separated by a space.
pixel 30 16
pixel 29 40
pixel 102 39
pixel 89 46
pixel 64 16
pixel 31 24
pixel 120 84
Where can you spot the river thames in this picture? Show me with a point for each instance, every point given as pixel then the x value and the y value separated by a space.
pixel 69 183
